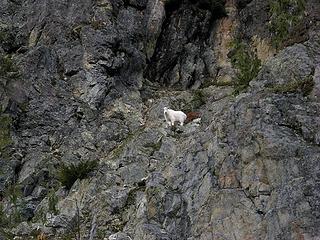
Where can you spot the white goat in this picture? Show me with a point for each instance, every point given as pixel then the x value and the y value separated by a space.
pixel 172 116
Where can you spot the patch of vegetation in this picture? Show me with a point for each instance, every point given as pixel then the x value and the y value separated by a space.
pixel 40 216
pixel 116 152
pixel 7 38
pixel 3 35
pixel 304 86
pixel 4 221
pixel 285 14
pixel 52 202
pixel 14 195
pixel 101 233
pixel 97 25
pixel 75 32
pixel 116 224
pixel 5 125
pixel 223 84
pixel 154 146
pixel 6 233
pixel 247 64
pixel 70 173
pixel 120 148
pixel 7 67
pixel 198 99
pixel 132 196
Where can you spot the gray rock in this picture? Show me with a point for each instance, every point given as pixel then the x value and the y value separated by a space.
pixel 92 80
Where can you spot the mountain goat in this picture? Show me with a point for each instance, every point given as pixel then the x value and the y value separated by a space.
pixel 172 116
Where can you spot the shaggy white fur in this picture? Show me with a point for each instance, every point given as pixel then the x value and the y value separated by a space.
pixel 173 116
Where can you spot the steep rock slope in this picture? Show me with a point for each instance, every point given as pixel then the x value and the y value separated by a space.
pixel 87 80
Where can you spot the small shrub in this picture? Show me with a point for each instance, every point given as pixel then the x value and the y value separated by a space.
pixel 284 15
pixel 304 86
pixel 154 146
pixel 117 151
pixel 6 234
pixel 3 217
pixel 5 136
pixel 198 99
pixel 7 67
pixel 97 25
pixel 14 194
pixel 52 202
pixel 69 174
pixel 247 64
pixel 3 35
pixel 75 32
pixel 7 38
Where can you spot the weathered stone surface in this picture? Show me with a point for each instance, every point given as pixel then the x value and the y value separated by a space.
pixel 90 83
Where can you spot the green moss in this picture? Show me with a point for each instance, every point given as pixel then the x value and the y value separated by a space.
pixel 304 86
pixel 284 15
pixel 247 64
pixel 5 136
pixel 69 174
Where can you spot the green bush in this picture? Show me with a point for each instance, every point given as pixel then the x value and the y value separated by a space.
pixel 7 67
pixel 5 125
pixel 247 64
pixel 52 201
pixel 3 36
pixel 198 99
pixel 304 86
pixel 69 174
pixel 3 218
pixel 284 15
pixel 14 195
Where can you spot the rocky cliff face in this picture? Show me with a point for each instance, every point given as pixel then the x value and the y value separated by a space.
pixel 85 153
